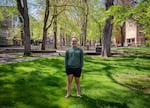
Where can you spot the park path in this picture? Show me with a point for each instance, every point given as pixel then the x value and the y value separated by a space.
pixel 6 58
pixel 15 54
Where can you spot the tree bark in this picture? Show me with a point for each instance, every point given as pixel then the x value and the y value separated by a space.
pixel 26 30
pixel 106 42
pixel 100 33
pixel 55 27
pixel 23 9
pixel 61 37
pixel 45 25
pixel 100 29
pixel 84 23
pixel 21 30
pixel 122 28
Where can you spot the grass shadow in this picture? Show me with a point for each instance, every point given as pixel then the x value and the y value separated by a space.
pixel 41 83
pixel 89 102
pixel 31 84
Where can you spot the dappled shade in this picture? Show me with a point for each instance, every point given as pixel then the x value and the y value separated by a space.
pixel 104 83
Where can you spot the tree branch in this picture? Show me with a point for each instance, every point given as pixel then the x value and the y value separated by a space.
pixel 68 6
pixel 46 13
pixel 20 7
pixel 50 23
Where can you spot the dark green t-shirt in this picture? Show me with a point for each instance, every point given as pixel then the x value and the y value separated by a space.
pixel 74 58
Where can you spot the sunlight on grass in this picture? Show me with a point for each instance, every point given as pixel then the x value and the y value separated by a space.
pixel 117 82
pixel 24 69
pixel 135 49
pixel 135 81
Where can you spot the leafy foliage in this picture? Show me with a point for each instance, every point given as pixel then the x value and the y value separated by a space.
pixel 120 14
pixel 71 14
pixel 141 14
pixel 36 28
pixel 96 20
pixel 7 7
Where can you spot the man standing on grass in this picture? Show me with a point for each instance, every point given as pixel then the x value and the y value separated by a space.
pixel 73 65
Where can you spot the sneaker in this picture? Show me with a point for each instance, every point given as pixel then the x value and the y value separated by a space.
pixel 67 96
pixel 79 96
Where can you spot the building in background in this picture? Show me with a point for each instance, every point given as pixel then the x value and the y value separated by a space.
pixel 133 36
pixel 7 28
pixel 8 24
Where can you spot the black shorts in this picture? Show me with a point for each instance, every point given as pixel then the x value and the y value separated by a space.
pixel 75 71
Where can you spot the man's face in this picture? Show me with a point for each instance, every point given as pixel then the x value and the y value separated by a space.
pixel 74 41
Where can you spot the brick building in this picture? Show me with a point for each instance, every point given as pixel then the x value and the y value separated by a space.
pixel 133 37
pixel 7 24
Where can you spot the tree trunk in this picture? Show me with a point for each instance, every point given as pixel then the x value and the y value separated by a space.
pixel 44 39
pixel 45 25
pixel 23 9
pixel 27 43
pixel 21 30
pixel 106 42
pixel 122 28
pixel 22 36
pixel 84 23
pixel 61 37
pixel 84 32
pixel 81 40
pixel 55 28
pixel 100 33
pixel 64 42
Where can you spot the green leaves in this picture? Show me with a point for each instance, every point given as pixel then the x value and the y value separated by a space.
pixel 120 14
pixel 6 11
pixel 141 14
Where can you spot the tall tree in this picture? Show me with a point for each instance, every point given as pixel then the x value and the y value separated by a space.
pixel 59 7
pixel 45 27
pixel 122 32
pixel 96 20
pixel 52 10
pixel 23 9
pixel 55 26
pixel 126 3
pixel 84 22
pixel 21 30
pixel 106 41
pixel 141 14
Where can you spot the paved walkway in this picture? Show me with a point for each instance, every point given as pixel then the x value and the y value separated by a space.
pixel 17 57
pixel 6 58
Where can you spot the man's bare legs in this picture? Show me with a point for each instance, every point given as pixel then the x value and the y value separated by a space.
pixel 77 80
pixel 69 83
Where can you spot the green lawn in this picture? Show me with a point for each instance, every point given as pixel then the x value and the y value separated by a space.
pixel 117 82
pixel 134 49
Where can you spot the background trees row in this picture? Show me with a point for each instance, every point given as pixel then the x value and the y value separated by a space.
pixel 86 19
